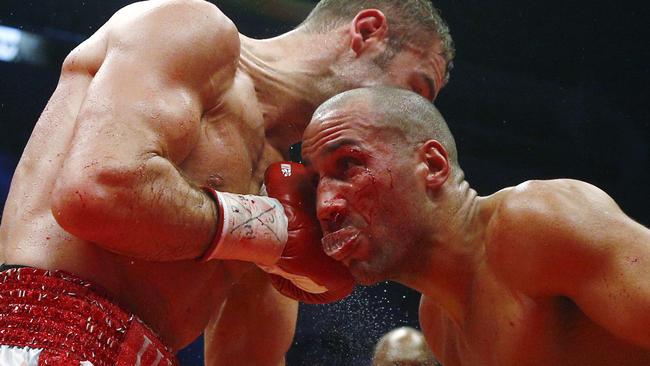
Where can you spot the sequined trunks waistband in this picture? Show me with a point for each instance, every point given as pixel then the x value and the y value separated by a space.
pixel 73 321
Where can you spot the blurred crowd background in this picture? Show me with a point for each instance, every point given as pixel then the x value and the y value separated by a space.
pixel 540 89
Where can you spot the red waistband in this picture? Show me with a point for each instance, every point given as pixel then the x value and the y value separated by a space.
pixel 73 321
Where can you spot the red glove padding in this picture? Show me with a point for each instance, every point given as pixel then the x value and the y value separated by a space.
pixel 303 254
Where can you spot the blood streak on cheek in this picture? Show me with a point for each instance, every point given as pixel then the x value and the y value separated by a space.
pixel 362 209
pixel 368 189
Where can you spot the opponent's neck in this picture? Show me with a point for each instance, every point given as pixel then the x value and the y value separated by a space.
pixel 286 71
pixel 454 251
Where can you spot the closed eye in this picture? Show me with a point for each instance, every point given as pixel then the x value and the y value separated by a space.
pixel 346 166
pixel 423 85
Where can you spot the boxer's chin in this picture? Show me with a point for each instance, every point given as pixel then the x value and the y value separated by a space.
pixel 363 275
pixel 340 244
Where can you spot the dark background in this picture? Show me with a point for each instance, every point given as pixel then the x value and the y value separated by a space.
pixel 542 89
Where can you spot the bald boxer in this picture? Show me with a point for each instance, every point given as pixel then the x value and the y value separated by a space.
pixel 135 216
pixel 404 346
pixel 544 273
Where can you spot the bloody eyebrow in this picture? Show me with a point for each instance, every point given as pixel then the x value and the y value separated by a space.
pixel 339 144
pixel 330 148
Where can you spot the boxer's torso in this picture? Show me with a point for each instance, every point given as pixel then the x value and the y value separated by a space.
pixel 174 298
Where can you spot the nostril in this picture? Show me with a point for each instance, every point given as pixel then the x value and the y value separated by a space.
pixel 333 221
pixel 331 212
pixel 336 217
pixel 331 226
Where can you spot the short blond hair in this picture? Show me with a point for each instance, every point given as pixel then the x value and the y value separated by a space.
pixel 411 22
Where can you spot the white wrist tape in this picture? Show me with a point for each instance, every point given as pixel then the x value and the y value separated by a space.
pixel 254 229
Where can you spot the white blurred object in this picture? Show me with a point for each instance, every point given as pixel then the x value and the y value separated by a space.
pixel 24 356
pixel 19 356
pixel 20 46
pixel 9 43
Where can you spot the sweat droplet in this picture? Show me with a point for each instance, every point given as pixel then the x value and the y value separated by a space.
pixel 345 332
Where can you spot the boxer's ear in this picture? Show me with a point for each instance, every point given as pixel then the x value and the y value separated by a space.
pixel 436 159
pixel 368 27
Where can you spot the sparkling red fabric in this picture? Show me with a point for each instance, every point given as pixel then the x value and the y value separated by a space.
pixel 73 321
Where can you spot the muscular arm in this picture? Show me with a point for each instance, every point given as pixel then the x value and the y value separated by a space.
pixel 254 327
pixel 119 186
pixel 568 238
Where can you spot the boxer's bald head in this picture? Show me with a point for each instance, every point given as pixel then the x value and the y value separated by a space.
pixel 398 113
pixel 385 159
pixel 403 346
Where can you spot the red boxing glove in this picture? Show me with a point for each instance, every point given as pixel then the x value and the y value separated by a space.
pixel 304 272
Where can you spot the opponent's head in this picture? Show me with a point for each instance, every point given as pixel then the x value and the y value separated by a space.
pixel 404 43
pixel 403 346
pixel 382 155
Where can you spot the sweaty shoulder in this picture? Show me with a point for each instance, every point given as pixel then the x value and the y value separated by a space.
pixel 538 228
pixel 548 199
pixel 191 41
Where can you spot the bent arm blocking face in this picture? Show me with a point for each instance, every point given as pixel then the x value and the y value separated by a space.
pixel 120 186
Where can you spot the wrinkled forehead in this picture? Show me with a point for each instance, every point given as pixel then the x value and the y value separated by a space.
pixel 332 125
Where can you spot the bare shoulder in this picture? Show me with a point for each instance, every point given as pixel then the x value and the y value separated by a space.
pixel 547 202
pixel 556 192
pixel 185 18
pixel 538 226
pixel 185 39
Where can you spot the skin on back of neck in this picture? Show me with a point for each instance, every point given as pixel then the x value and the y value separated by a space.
pixel 455 249
pixel 288 72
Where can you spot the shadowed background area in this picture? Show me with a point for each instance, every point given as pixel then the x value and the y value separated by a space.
pixel 540 90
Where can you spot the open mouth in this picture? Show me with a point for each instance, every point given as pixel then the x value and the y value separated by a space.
pixel 341 243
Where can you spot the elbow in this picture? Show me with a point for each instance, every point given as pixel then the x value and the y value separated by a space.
pixel 89 200
pixel 95 202
pixel 76 204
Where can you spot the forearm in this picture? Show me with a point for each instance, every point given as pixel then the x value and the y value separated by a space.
pixel 254 327
pixel 150 212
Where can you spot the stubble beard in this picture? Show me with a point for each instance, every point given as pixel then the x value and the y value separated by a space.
pixel 377 269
